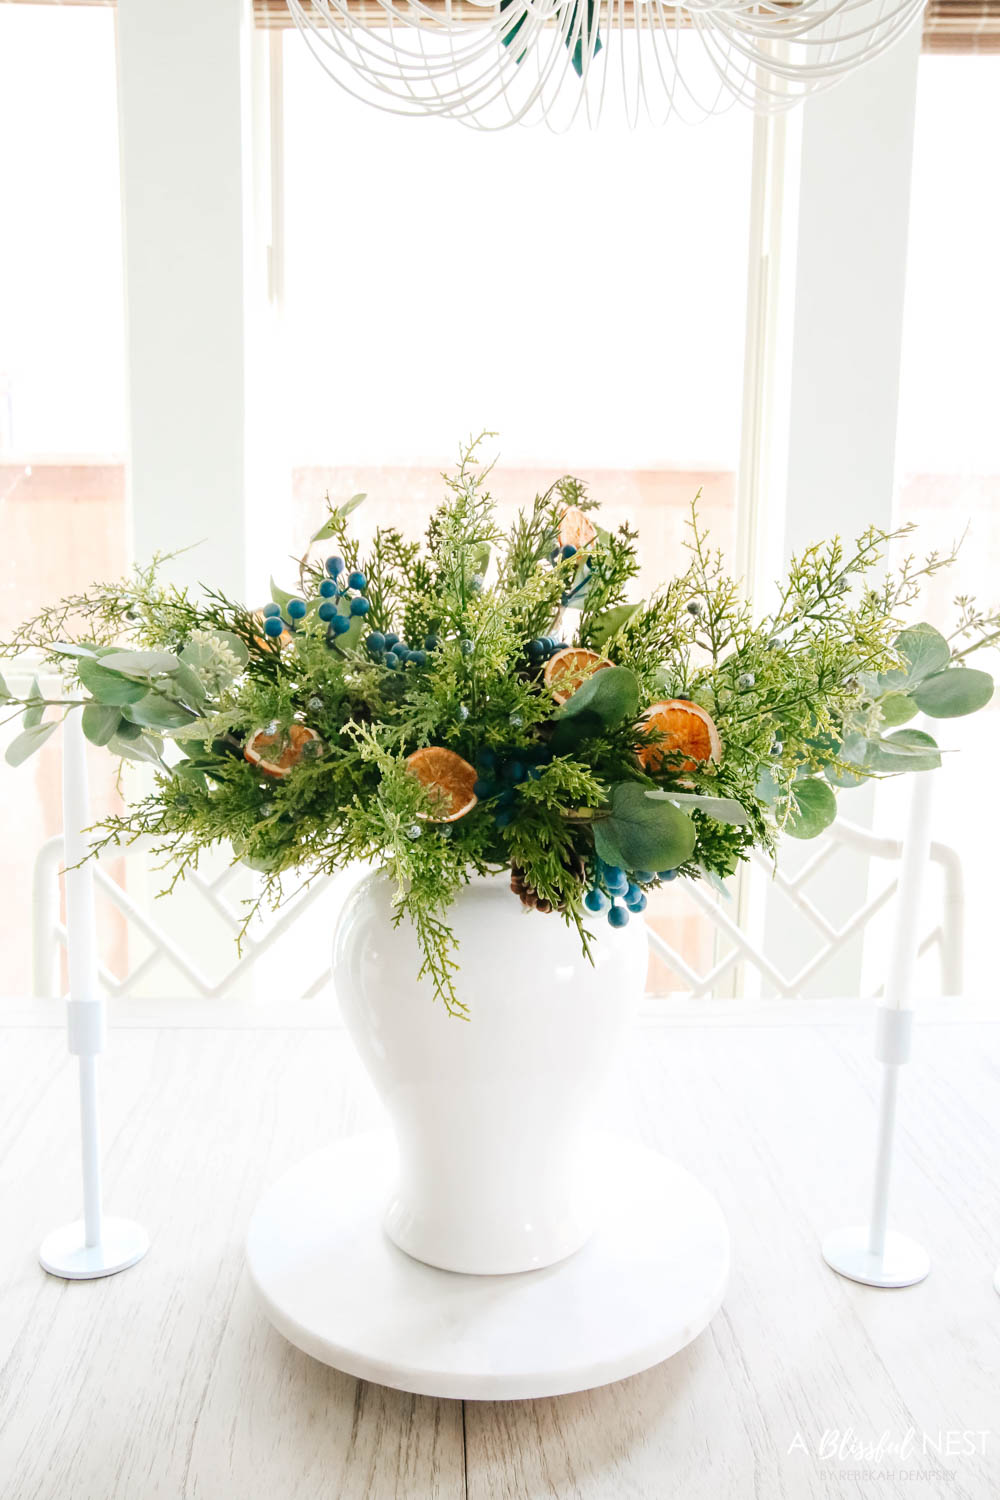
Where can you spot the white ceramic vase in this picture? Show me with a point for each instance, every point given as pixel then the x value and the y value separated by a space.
pixel 493 1115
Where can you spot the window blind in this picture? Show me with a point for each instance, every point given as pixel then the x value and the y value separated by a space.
pixel 962 26
pixel 949 25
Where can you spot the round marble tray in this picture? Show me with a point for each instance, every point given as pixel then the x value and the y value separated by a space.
pixel 333 1283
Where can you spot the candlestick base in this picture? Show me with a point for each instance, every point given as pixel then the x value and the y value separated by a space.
pixel 902 1263
pixel 64 1253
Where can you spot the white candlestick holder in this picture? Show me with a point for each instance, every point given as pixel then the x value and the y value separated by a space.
pixel 872 1253
pixel 94 1245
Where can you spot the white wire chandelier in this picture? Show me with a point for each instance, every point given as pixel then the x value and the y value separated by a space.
pixel 494 63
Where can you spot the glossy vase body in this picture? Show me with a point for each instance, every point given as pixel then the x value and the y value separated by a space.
pixel 492 1115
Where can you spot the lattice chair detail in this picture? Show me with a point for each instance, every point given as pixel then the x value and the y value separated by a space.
pixel 49 934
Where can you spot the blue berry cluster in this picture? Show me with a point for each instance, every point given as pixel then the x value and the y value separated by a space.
pixel 274 625
pixel 542 648
pixel 500 772
pixel 611 885
pixel 393 653
pixel 333 589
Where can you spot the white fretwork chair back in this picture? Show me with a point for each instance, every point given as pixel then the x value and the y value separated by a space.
pixel 163 946
pixel 831 938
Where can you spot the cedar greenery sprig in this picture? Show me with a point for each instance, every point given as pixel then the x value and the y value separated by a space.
pixel 287 732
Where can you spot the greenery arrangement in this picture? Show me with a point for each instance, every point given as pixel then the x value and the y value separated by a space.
pixel 487 701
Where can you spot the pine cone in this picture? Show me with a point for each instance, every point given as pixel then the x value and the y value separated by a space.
pixel 529 897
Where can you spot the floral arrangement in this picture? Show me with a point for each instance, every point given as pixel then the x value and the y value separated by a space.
pixel 486 701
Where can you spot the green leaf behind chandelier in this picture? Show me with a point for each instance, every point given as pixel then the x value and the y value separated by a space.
pixel 583 37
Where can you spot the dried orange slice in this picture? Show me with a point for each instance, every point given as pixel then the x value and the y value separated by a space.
pixel 576 529
pixel 685 729
pixel 569 669
pixel 449 778
pixel 278 754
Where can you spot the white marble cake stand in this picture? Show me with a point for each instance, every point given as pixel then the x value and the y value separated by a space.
pixel 333 1283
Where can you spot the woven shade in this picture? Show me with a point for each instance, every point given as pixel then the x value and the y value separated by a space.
pixel 962 26
pixel 949 25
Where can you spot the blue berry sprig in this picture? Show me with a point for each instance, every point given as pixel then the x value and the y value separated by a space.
pixel 501 772
pixel 542 648
pixel 611 885
pixel 393 654
pixel 331 592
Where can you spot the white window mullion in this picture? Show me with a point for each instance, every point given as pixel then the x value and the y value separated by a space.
pixel 202 443
pixel 836 397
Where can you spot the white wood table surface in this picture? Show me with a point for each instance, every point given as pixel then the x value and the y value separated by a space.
pixel 168 1382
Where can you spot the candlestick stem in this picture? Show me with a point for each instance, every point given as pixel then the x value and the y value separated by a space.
pixel 872 1253
pixel 95 1246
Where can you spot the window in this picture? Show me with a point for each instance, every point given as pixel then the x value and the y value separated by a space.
pixel 62 427
pixel 948 453
pixel 583 295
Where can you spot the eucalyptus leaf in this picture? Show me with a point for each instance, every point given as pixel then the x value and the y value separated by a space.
pixel 640 834
pixel 28 741
pixel 140 663
pixel 611 693
pixel 141 749
pixel 950 694
pixel 5 692
pixel 260 866
pixel 924 651
pixel 197 654
pixel 847 780
pixel 479 557
pixel 35 711
pixel 905 750
pixel 605 625
pixel 722 809
pixel 157 712
pixel 854 751
pixel 189 771
pixel 189 684
pixel 188 734
pixel 715 880
pixel 571 733
pixel 351 638
pixel 333 524
pixel 897 708
pixel 767 789
pixel 825 747
pixel 281 598
pixel 71 648
pixel 100 721
pixel 815 807
pixel 237 646
pixel 205 653
pixel 109 687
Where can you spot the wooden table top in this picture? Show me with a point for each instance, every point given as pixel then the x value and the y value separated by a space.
pixel 167 1381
